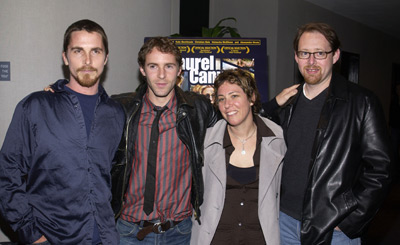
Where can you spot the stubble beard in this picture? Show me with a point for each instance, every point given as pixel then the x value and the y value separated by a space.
pixel 160 93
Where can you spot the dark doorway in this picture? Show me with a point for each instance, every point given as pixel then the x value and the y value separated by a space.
pixel 194 15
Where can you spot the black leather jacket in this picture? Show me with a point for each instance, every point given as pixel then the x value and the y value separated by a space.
pixel 349 171
pixel 194 114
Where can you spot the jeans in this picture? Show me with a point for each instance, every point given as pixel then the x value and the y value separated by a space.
pixel 290 233
pixel 179 234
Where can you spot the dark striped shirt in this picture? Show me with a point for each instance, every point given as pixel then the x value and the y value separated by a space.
pixel 173 175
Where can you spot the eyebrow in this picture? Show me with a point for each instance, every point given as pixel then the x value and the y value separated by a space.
pixel 81 48
pixel 229 93
pixel 155 63
pixel 309 51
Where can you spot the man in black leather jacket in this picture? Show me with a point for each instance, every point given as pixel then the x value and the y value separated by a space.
pixel 189 115
pixel 337 168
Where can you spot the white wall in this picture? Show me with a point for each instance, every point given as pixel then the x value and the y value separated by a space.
pixel 31 37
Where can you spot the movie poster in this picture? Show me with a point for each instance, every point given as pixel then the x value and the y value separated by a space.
pixel 204 58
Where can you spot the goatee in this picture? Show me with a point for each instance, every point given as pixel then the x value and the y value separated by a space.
pixel 312 79
pixel 87 80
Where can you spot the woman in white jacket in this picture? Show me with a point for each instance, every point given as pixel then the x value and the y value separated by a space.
pixel 242 169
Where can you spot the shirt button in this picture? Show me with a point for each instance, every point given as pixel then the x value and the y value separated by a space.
pixel 240 224
pixel 241 204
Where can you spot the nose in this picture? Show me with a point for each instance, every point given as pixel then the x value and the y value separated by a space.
pixel 227 103
pixel 88 59
pixel 311 60
pixel 161 73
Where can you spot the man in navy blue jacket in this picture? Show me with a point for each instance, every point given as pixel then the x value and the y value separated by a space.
pixel 57 155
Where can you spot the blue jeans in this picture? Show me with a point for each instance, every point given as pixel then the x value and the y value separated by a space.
pixel 290 233
pixel 179 234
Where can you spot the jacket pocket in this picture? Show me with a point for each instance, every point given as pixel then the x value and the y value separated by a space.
pixel 349 200
pixel 343 204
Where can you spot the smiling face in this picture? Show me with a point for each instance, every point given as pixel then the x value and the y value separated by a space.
pixel 234 104
pixel 161 71
pixel 316 72
pixel 86 58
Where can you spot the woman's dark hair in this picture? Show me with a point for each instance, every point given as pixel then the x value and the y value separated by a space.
pixel 244 80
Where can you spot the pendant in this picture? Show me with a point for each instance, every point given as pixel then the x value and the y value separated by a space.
pixel 243 152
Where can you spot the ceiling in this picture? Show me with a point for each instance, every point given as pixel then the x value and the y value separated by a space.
pixel 383 15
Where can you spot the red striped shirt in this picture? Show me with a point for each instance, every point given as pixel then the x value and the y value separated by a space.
pixel 173 175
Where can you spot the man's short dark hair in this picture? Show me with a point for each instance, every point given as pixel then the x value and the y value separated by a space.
pixel 85 25
pixel 164 45
pixel 322 28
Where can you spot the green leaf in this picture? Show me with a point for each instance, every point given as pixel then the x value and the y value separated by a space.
pixel 229 18
pixel 206 32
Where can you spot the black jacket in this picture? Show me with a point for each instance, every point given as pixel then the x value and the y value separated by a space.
pixel 349 171
pixel 194 115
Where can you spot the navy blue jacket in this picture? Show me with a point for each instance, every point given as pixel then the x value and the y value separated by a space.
pixel 54 181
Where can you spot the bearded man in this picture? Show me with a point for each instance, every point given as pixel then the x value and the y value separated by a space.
pixel 55 163
pixel 336 171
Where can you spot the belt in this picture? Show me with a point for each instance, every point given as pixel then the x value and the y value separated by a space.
pixel 157 227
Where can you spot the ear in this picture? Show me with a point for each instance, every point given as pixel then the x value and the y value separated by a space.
pixel 336 56
pixel 142 71
pixel 295 57
pixel 106 59
pixel 253 99
pixel 65 59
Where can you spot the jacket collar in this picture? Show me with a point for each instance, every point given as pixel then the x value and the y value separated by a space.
pixel 337 89
pixel 59 87
pixel 217 132
pixel 181 97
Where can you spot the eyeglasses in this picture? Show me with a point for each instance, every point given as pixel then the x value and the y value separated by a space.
pixel 320 55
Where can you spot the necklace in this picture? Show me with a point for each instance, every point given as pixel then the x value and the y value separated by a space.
pixel 243 152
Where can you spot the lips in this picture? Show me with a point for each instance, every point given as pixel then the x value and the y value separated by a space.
pixel 312 70
pixel 87 69
pixel 161 84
